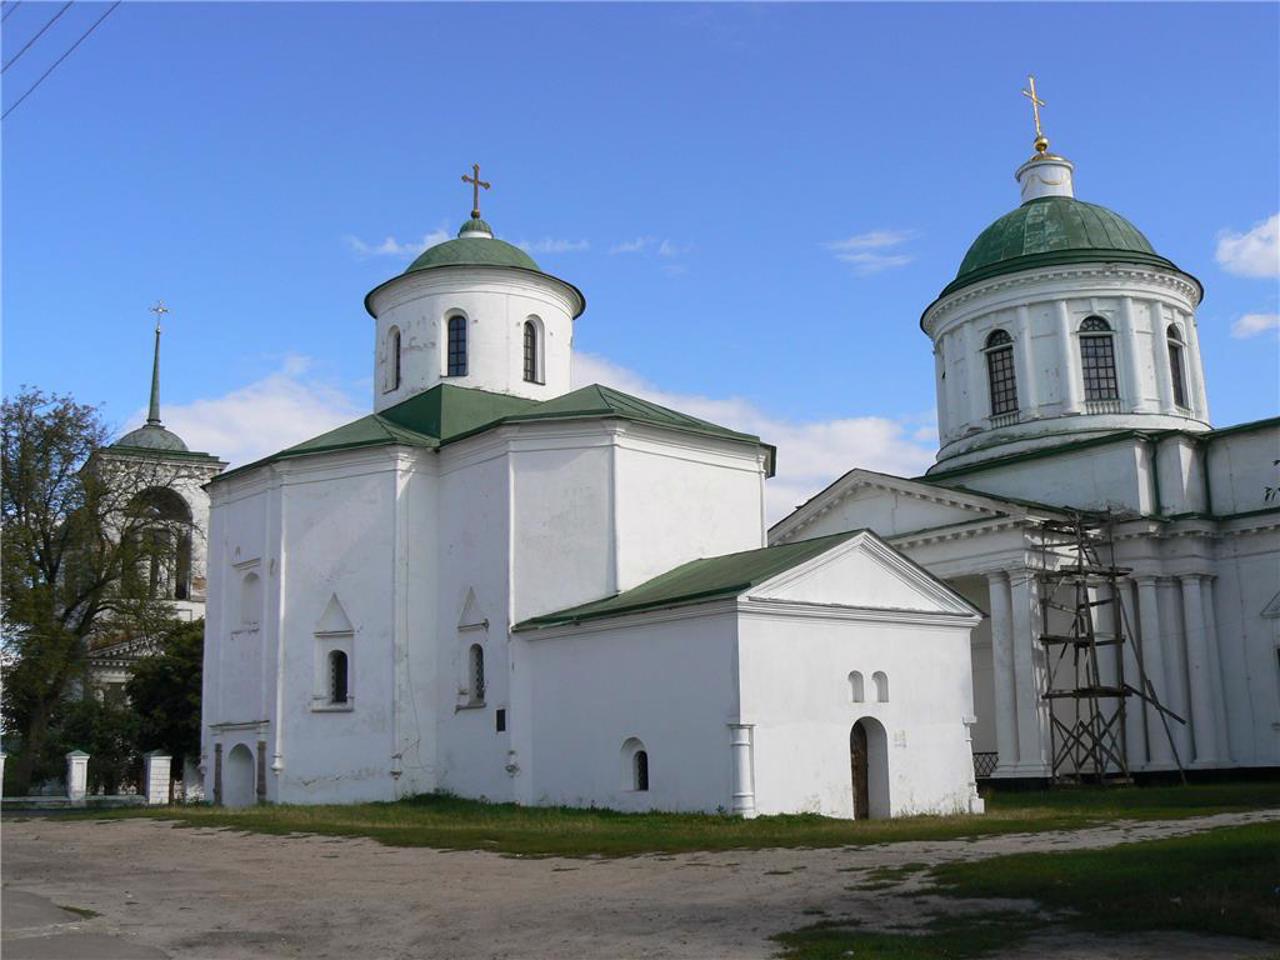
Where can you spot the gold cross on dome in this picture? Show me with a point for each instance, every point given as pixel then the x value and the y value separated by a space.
pixel 1042 142
pixel 476 185
pixel 159 310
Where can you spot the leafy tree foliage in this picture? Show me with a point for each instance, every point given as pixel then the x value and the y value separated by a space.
pixel 75 529
pixel 165 693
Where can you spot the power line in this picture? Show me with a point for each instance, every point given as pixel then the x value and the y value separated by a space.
pixel 12 7
pixel 39 34
pixel 31 89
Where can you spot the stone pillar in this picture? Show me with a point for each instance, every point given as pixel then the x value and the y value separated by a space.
pixel 1002 667
pixel 1132 388
pixel 1196 392
pixel 2 756
pixel 1164 373
pixel 156 766
pixel 1102 613
pixel 1218 688
pixel 975 366
pixel 217 774
pixel 1135 733
pixel 1069 364
pixel 1029 385
pixel 1161 751
pixel 77 776
pixel 744 796
pixel 1204 715
pixel 1028 671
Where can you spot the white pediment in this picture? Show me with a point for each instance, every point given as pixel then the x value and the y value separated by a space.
pixel 334 619
pixel 891 506
pixel 864 572
pixel 471 615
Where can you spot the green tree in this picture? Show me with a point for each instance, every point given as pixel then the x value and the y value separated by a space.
pixel 74 531
pixel 165 694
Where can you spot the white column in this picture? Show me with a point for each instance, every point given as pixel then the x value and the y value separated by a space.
pixel 1204 716
pixel 77 776
pixel 1028 377
pixel 1068 360
pixel 156 766
pixel 1002 668
pixel 1135 734
pixel 1153 661
pixel 1132 390
pixel 1164 373
pixel 1104 631
pixel 2 756
pixel 1195 369
pixel 1217 687
pixel 1028 669
pixel 744 796
pixel 974 364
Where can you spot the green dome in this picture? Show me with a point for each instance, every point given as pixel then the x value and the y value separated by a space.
pixel 152 436
pixel 1049 231
pixel 484 251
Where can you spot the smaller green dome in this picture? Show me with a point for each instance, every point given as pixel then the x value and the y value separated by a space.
pixel 1050 231
pixel 152 436
pixel 469 249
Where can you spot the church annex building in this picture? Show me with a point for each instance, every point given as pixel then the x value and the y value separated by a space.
pixel 502 587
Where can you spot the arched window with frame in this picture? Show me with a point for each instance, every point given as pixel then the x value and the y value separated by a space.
pixel 339 678
pixel 1000 374
pixel 1177 369
pixel 1098 360
pixel 531 352
pixel 881 682
pixel 457 350
pixel 475 663
pixel 393 359
pixel 856 687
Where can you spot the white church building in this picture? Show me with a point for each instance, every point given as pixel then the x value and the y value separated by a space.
pixel 501 587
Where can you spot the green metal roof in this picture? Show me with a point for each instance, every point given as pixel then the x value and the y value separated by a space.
pixel 152 436
pixel 446 413
pixel 473 251
pixel 698 581
pixel 1050 231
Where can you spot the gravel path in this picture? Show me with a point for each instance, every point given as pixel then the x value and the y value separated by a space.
pixel 161 890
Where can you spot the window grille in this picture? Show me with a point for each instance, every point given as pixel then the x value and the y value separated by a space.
pixel 531 352
pixel 1000 374
pixel 337 677
pixel 477 674
pixel 457 346
pixel 1098 360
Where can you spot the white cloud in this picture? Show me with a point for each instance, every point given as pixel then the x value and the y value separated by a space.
pixel 863 250
pixel 669 249
pixel 1255 253
pixel 811 453
pixel 391 247
pixel 551 245
pixel 633 246
pixel 1253 324
pixel 283 408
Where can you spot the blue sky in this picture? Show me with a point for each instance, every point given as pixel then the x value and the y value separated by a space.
pixel 246 162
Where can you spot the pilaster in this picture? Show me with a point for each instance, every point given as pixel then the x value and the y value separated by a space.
pixel 1003 668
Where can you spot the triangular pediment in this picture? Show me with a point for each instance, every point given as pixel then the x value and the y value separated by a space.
pixel 1272 610
pixel 471 615
pixel 891 506
pixel 334 619
pixel 864 572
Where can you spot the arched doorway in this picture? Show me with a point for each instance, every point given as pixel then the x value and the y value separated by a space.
pixel 869 769
pixel 237 788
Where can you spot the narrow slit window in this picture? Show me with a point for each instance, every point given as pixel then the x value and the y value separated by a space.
pixel 338 679
pixel 1098 360
pixel 393 359
pixel 477 673
pixel 642 769
pixel 457 346
pixel 531 352
pixel 1176 369
pixel 1000 374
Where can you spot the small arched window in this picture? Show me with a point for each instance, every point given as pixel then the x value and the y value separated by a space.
pixel 642 770
pixel 531 357
pixel 475 659
pixel 881 681
pixel 856 691
pixel 1098 360
pixel 457 352
pixel 338 678
pixel 1177 371
pixel 1000 374
pixel 393 359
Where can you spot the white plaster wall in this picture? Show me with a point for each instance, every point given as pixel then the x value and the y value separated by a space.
pixel 794 675
pixel 496 302
pixel 1241 468
pixel 670 683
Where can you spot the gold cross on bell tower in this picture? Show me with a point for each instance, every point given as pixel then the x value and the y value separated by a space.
pixel 1042 142
pixel 476 185
pixel 159 310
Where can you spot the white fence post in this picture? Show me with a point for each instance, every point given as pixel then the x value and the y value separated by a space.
pixel 157 764
pixel 2 756
pixel 77 776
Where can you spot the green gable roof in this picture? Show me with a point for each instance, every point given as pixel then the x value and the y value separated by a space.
pixel 446 413
pixel 698 581
pixel 1050 231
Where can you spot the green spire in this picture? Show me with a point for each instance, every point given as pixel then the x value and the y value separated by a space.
pixel 153 413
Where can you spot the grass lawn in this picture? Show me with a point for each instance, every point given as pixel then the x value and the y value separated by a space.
pixel 448 822
pixel 1225 881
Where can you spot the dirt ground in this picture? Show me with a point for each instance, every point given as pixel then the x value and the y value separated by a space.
pixel 163 891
